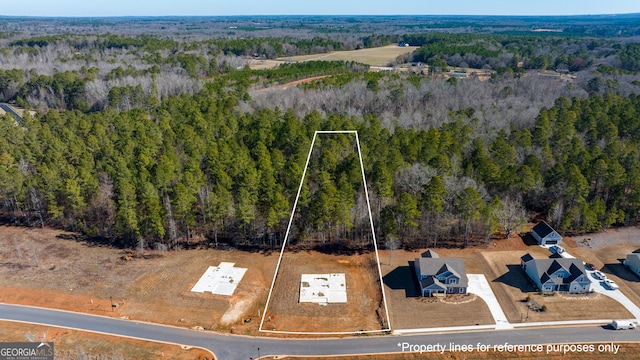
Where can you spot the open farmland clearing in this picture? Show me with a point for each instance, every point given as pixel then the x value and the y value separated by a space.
pixel 379 56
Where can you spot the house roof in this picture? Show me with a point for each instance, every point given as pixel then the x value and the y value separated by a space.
pixel 527 257
pixel 633 255
pixel 430 254
pixel 555 266
pixel 543 229
pixel 432 283
pixel 446 268
pixel 544 268
pixel 436 266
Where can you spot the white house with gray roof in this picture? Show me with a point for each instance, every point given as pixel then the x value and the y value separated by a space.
pixel 561 274
pixel 438 275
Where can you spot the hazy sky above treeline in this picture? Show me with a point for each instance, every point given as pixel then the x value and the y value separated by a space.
pixel 58 8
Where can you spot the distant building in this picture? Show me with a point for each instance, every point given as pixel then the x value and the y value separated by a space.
pixel 562 274
pixel 545 234
pixel 403 44
pixel 438 275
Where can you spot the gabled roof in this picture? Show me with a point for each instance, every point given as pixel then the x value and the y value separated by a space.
pixel 543 229
pixel 430 254
pixel 633 255
pixel 544 268
pixel 434 266
pixel 446 268
pixel 555 266
pixel 432 283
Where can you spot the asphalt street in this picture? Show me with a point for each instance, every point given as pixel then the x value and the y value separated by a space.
pixel 235 347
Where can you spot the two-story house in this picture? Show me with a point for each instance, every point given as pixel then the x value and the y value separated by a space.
pixel 560 274
pixel 438 275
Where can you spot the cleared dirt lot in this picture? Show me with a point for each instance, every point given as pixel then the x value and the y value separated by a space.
pixel 364 295
pixel 46 267
pixel 380 56
pixel 51 268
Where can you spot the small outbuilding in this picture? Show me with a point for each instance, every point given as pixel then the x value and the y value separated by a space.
pixel 545 234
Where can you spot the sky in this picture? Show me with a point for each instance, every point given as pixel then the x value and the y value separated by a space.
pixel 315 7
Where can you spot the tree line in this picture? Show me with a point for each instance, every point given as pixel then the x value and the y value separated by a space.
pixel 194 167
pixel 65 71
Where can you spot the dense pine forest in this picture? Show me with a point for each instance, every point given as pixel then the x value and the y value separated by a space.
pixel 163 140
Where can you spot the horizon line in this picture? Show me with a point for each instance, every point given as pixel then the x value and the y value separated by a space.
pixel 309 15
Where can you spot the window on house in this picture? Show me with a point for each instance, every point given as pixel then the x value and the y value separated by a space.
pixel 461 290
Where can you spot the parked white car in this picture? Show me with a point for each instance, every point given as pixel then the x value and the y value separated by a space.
pixel 599 275
pixel 557 249
pixel 611 284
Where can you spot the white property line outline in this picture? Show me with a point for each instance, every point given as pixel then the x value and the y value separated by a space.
pixel 286 238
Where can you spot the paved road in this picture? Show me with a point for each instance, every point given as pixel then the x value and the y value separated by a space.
pixel 10 110
pixel 234 347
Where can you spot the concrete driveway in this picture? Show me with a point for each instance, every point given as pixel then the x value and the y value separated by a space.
pixel 479 285
pixel 617 295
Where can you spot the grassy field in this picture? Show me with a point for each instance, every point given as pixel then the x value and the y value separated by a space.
pixel 380 56
pixel 72 344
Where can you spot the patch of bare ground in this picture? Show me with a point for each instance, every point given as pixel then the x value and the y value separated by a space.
pixel 48 268
pixel 263 64
pixel 627 235
pixel 362 311
pixel 512 286
pixel 73 344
